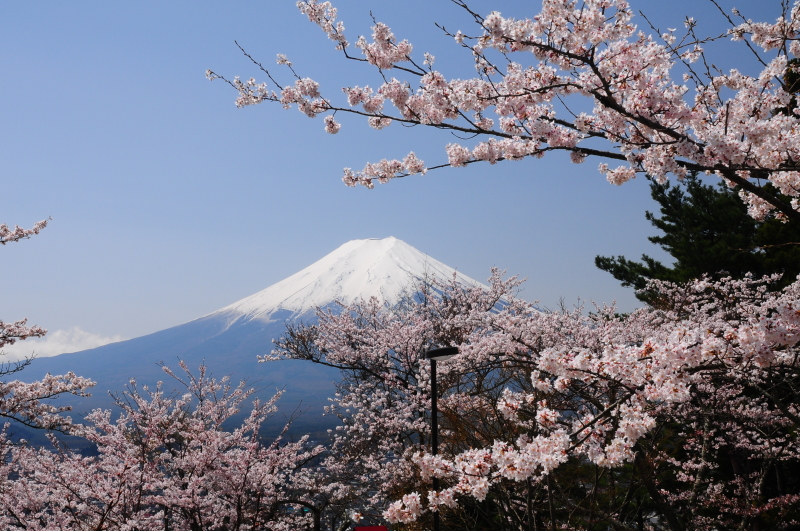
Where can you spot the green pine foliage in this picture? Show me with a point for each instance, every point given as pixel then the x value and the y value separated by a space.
pixel 707 231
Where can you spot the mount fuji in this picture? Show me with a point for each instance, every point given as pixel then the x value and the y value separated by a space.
pixel 229 339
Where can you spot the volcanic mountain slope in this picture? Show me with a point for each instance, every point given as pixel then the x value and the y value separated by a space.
pixel 229 339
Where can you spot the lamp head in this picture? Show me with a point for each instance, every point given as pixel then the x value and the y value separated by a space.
pixel 441 354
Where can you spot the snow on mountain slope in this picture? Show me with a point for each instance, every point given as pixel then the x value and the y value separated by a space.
pixel 359 269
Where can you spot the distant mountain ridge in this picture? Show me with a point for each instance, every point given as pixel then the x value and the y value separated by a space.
pixel 229 339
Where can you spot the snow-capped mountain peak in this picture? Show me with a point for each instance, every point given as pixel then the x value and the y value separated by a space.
pixel 229 339
pixel 359 269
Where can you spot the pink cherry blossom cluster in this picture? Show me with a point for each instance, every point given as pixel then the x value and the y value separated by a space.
pixel 384 50
pixel 30 403
pixel 331 125
pixel 18 233
pixel 10 333
pixel 384 170
pixel 324 15
pixel 656 110
pixel 406 510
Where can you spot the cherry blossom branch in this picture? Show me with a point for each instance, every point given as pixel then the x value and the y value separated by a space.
pixel 652 123
pixel 10 333
pixel 8 235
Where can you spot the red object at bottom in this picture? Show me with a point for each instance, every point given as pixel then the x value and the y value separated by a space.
pixel 372 528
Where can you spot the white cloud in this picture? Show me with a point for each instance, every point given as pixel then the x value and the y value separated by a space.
pixel 57 342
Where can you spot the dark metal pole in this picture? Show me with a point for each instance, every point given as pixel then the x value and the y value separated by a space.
pixel 434 434
pixel 436 354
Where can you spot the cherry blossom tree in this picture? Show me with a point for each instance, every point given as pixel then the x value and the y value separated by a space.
pixel 677 417
pixel 657 106
pixel 27 403
pixel 10 333
pixel 169 462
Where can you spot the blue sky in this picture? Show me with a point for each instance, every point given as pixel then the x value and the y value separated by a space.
pixel 168 202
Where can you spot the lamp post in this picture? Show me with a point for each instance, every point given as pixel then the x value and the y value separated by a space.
pixel 436 354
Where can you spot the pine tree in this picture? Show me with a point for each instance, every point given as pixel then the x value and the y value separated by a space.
pixel 707 231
